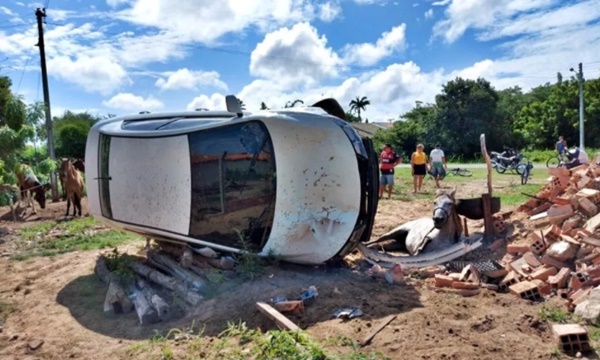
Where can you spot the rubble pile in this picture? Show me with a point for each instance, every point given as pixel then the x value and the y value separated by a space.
pixel 561 257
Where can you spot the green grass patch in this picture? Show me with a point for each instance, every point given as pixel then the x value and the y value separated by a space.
pixel 52 238
pixel 507 186
pixel 554 314
pixel 238 341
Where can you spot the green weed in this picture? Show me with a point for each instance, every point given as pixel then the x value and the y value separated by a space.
pixel 554 314
pixel 52 238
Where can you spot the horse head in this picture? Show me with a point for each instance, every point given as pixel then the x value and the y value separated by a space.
pixel 443 208
pixel 40 194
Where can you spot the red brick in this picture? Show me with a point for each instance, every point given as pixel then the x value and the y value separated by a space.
pixel 544 273
pixel 464 285
pixel 550 261
pixel 559 213
pixel 517 248
pixel 587 207
pixel 545 289
pixel 443 280
pixel 580 295
pixel 531 260
pixel 561 279
pixel 571 338
pixel 498 244
pixel 578 280
pixel 526 290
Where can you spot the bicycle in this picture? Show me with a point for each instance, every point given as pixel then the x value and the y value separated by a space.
pixel 526 173
pixel 556 161
pixel 453 172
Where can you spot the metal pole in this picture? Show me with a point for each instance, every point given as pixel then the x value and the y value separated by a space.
pixel 41 13
pixel 581 137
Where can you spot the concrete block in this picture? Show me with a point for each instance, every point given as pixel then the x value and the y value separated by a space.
pixel 571 338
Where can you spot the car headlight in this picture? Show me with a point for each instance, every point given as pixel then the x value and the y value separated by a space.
pixel 354 138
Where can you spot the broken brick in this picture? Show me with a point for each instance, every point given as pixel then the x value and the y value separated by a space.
pixel 517 248
pixel 559 213
pixel 498 244
pixel 544 273
pixel 464 285
pixel 531 260
pixel 587 207
pixel 443 280
pixel 550 261
pixel 545 289
pixel 561 279
pixel 578 280
pixel 580 295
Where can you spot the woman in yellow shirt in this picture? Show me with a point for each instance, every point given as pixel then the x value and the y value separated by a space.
pixel 418 164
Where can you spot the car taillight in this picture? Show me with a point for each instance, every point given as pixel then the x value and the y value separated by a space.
pixel 354 138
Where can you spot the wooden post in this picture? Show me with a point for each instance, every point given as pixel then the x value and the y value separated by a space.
pixel 487 198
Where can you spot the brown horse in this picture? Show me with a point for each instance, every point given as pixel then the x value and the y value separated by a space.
pixel 30 185
pixel 79 164
pixel 73 184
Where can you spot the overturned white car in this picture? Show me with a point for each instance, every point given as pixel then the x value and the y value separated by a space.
pixel 298 183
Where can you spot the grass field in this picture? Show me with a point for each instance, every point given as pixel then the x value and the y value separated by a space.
pixel 506 186
pixel 52 237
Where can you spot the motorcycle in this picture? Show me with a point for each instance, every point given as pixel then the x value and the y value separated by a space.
pixel 509 159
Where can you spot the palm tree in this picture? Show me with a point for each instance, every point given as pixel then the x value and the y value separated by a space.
pixel 263 106
pixel 359 104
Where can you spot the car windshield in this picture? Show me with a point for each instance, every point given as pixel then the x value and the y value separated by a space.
pixel 233 185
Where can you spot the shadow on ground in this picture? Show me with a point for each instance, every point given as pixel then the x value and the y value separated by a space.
pixel 234 301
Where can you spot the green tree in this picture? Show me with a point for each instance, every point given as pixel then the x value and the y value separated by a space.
pixel 70 133
pixel 14 132
pixel 350 117
pixel 263 106
pixel 359 104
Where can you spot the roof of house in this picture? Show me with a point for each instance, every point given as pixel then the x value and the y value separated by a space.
pixel 367 129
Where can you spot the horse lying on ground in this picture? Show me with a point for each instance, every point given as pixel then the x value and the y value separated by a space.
pixel 428 241
pixel 30 185
pixel 79 164
pixel 73 184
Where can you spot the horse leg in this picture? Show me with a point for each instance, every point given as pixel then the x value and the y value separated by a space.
pixel 68 204
pixel 76 204
pixel 31 202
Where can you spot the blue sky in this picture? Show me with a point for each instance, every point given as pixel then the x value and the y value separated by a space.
pixel 125 56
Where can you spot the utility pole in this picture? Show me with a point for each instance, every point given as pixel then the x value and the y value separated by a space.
pixel 40 14
pixel 581 81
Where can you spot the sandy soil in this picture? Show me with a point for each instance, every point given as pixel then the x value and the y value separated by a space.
pixel 59 300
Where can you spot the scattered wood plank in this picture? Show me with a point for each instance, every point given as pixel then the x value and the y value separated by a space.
pixel 279 319
pixel 539 216
pixel 375 331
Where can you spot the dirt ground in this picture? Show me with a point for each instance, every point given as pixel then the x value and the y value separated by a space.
pixel 59 300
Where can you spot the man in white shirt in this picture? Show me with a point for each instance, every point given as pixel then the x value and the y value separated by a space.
pixel 438 164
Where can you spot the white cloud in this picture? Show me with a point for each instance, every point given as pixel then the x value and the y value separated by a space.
pixel 210 20
pixel 131 102
pixel 329 11
pixel 59 15
pixel 429 14
pixel 190 79
pixel 441 3
pixel 370 54
pixel 214 102
pixel 116 3
pixel 294 56
pixel 7 11
pixel 370 2
pixel 480 14
pixel 94 74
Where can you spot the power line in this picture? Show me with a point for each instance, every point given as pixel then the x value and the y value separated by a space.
pixel 24 68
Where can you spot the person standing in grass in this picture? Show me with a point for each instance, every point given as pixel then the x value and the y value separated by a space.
pixel 438 164
pixel 418 164
pixel 387 161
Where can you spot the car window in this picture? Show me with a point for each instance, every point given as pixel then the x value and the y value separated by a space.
pixel 233 185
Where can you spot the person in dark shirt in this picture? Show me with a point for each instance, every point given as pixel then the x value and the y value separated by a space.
pixel 387 161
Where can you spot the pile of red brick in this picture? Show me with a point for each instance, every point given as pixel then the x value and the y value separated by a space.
pixel 559 255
